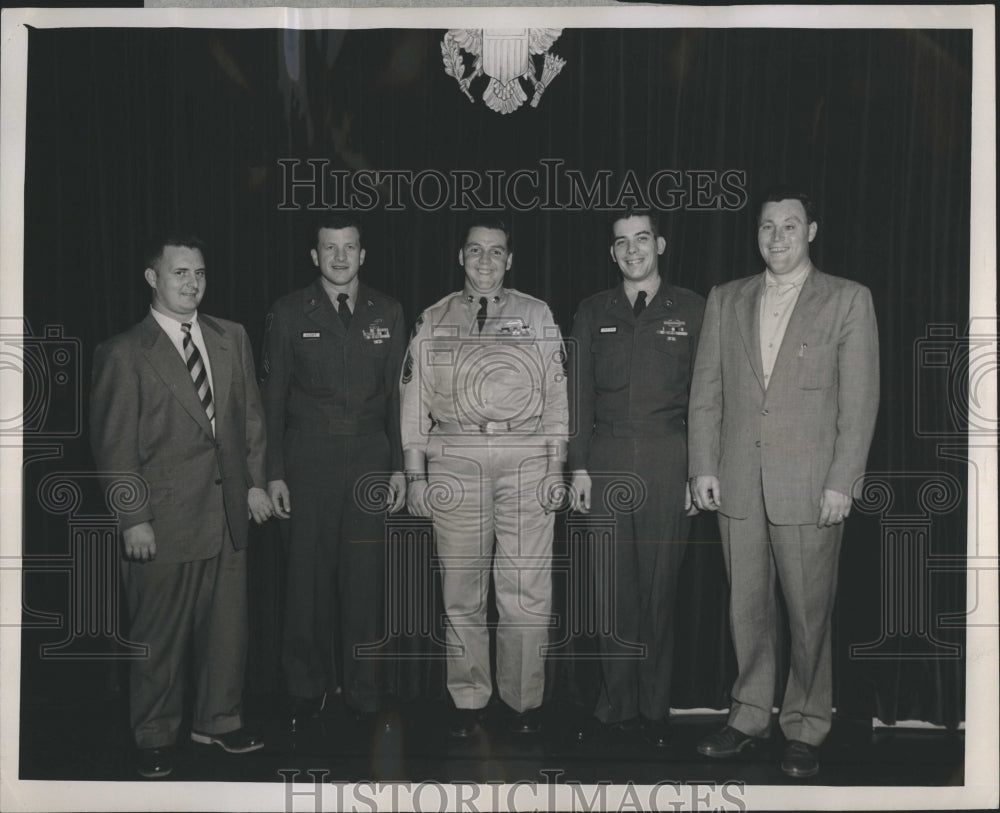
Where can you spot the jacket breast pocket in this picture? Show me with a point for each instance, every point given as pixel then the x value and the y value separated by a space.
pixel 317 360
pixel 817 366
pixel 371 360
pixel 611 363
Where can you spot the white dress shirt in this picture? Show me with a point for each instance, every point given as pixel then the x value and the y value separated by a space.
pixel 776 306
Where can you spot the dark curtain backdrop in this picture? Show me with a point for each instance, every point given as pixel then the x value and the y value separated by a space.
pixel 131 130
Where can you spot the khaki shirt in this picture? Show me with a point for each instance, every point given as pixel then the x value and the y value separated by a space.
pixel 457 379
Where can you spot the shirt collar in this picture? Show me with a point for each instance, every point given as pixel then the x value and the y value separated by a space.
pixel 795 279
pixel 171 325
pixel 473 297
pixel 353 292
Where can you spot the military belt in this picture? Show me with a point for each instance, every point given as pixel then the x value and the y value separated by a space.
pixel 525 427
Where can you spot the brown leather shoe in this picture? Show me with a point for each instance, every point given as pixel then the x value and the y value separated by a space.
pixel 239 741
pixel 800 759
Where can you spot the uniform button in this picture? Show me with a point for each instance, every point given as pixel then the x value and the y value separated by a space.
pixel 757 444
pixel 218 445
pixel 763 412
pixel 218 482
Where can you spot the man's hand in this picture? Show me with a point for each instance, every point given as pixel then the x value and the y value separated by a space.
pixel 690 509
pixel 834 508
pixel 580 487
pixel 259 504
pixel 416 499
pixel 140 542
pixel 396 498
pixel 705 492
pixel 281 501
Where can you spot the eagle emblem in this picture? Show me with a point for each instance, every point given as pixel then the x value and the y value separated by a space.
pixel 506 56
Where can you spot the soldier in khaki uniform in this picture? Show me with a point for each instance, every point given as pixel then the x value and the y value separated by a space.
pixel 484 427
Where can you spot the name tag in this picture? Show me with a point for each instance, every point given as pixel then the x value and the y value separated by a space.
pixel 307 334
pixel 612 329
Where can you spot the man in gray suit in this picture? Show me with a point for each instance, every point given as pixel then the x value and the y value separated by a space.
pixel 174 400
pixel 783 404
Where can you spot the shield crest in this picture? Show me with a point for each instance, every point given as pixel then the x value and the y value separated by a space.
pixel 506 53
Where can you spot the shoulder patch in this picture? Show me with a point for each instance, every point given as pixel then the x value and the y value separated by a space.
pixel 408 367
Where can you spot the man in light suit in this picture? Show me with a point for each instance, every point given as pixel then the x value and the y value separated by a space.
pixel 174 400
pixel 782 410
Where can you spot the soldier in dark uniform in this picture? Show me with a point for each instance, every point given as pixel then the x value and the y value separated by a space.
pixel 634 348
pixel 333 353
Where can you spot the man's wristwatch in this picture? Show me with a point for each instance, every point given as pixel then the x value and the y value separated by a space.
pixel 412 478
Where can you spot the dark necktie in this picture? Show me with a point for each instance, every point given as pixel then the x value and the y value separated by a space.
pixel 640 303
pixel 481 314
pixel 198 372
pixel 343 310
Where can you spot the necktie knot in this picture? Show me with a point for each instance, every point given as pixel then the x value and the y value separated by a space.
pixel 640 303
pixel 186 327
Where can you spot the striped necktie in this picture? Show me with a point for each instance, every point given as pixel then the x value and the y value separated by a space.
pixel 198 372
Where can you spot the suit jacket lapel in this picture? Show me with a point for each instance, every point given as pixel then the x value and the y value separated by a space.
pixel 747 307
pixel 168 364
pixel 807 307
pixel 220 357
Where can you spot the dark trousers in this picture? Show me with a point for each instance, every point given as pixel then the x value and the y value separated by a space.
pixel 201 605
pixel 336 565
pixel 641 531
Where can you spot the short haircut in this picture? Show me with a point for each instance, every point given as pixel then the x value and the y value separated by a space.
pixel 153 250
pixel 337 220
pixel 633 211
pixel 487 221
pixel 776 194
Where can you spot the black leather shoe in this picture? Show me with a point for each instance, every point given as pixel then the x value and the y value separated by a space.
pixel 239 741
pixel 304 709
pixel 586 728
pixel 727 742
pixel 464 723
pixel 800 759
pixel 657 732
pixel 525 722
pixel 155 763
